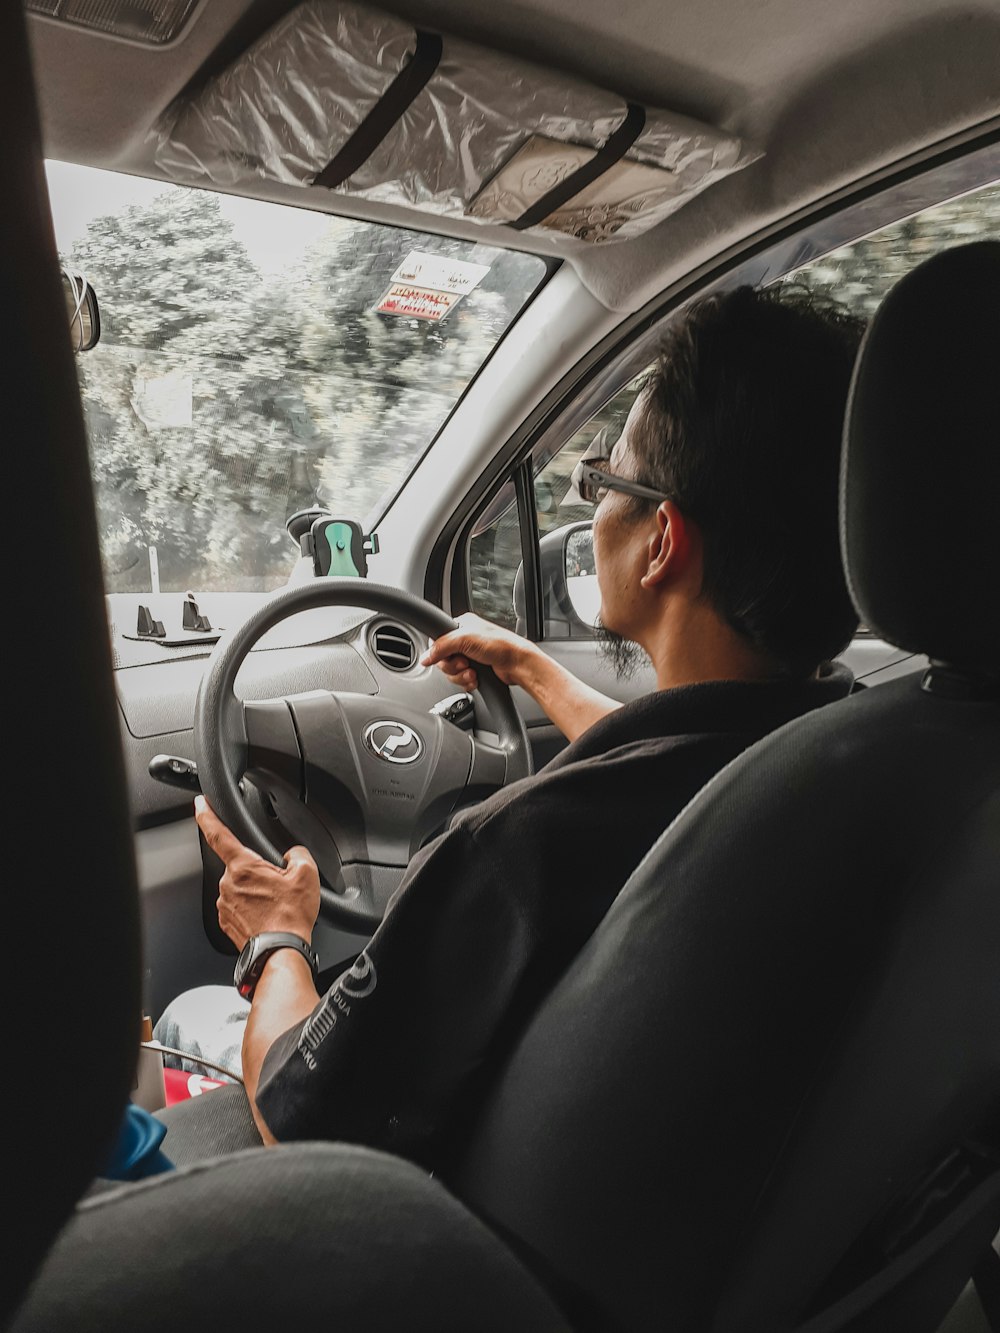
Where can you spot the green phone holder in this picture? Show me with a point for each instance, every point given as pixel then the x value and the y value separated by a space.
pixel 340 549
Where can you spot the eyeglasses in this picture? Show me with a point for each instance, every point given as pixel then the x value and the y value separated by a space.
pixel 591 475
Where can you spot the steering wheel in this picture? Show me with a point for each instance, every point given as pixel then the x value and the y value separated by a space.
pixel 359 779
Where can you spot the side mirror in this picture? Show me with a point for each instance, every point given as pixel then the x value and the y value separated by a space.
pixel 83 310
pixel 570 596
pixel 581 574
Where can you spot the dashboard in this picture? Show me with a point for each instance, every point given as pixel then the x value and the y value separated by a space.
pixel 333 648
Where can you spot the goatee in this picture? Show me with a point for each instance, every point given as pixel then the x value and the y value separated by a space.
pixel 624 656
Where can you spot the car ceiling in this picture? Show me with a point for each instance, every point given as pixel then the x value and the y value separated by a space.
pixel 833 94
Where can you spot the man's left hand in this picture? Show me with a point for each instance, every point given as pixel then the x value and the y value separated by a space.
pixel 255 896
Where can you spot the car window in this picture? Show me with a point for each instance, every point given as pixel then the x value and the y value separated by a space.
pixel 495 546
pixel 555 502
pixel 257 359
pixel 495 554
pixel 858 275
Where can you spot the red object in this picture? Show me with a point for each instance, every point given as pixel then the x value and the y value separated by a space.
pixel 179 1086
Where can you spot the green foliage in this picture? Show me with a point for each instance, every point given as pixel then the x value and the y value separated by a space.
pixel 861 274
pixel 298 392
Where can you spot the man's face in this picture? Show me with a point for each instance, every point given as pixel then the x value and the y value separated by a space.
pixel 622 532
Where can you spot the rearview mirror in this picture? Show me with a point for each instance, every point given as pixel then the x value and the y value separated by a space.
pixel 83 310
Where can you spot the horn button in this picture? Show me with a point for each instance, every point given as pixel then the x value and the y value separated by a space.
pixel 395 742
pixel 378 782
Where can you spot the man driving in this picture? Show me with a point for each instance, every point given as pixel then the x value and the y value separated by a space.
pixel 716 550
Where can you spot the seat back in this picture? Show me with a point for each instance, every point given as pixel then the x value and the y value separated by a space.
pixel 72 962
pixel 792 1010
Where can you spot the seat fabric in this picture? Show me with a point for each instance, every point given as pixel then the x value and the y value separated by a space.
pixel 789 1010
pixel 305 1236
pixel 791 1013
pixel 212 1125
pixel 71 920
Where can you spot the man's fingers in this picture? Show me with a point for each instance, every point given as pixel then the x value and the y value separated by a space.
pixel 299 856
pixel 225 844
pixel 451 666
pixel 468 679
pixel 459 671
pixel 475 639
pixel 448 645
pixel 435 651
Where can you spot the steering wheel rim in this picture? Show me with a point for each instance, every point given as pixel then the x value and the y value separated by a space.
pixel 220 737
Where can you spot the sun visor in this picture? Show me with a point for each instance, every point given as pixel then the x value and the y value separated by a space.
pixel 340 96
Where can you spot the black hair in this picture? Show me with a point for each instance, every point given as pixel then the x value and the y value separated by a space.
pixel 741 425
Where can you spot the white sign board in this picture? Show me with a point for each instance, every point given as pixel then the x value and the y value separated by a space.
pixel 428 286
pixel 416 302
pixel 440 273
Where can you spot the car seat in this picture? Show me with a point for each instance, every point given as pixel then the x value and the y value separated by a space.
pixel 784 1039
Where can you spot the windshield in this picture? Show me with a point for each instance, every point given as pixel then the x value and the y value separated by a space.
pixel 256 360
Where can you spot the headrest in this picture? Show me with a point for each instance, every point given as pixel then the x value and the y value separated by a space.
pixel 920 484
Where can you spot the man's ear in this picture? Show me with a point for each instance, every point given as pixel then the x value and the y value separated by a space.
pixel 671 547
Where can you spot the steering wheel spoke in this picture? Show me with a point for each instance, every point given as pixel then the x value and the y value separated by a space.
pixel 379 776
pixel 360 893
pixel 273 756
pixel 489 768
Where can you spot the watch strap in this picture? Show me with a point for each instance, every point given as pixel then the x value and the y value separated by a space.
pixel 259 948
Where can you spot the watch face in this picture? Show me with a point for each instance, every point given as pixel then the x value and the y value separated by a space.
pixel 243 962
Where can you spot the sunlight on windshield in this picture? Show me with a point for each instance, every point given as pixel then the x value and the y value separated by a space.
pixel 246 371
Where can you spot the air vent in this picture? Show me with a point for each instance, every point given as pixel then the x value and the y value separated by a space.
pixel 393 647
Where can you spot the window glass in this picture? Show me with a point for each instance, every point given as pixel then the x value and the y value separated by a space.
pixel 555 503
pixel 859 275
pixel 558 507
pixel 494 559
pixel 495 547
pixel 257 359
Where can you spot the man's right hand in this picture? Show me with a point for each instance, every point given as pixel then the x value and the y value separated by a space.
pixel 479 640
pixel 568 702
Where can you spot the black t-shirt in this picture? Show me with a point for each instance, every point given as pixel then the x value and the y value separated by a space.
pixel 490 914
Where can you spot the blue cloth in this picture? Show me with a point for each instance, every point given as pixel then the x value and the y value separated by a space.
pixel 136 1152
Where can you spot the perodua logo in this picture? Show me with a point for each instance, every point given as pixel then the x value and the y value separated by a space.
pixel 394 742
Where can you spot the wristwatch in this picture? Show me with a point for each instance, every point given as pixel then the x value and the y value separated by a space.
pixel 258 950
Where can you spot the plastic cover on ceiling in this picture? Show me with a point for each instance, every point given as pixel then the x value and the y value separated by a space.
pixel 477 134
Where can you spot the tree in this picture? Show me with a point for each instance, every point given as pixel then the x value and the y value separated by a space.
pixel 221 400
